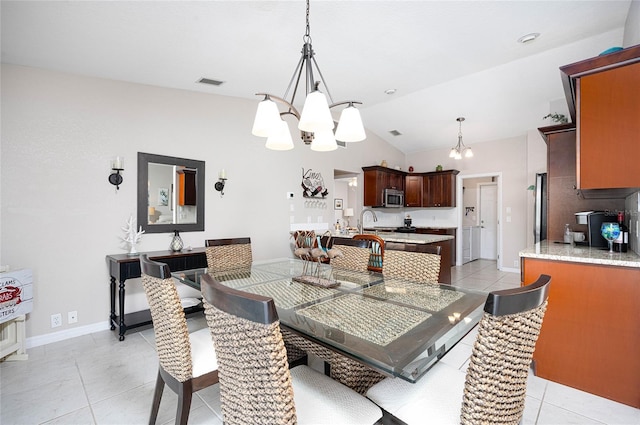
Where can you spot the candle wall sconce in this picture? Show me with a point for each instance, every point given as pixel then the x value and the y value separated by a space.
pixel 117 165
pixel 222 178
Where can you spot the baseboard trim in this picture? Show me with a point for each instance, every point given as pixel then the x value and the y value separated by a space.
pixel 510 270
pixel 39 340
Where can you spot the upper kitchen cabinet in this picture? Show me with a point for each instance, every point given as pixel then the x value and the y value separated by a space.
pixel 603 95
pixel 563 197
pixel 413 190
pixel 439 189
pixel 376 180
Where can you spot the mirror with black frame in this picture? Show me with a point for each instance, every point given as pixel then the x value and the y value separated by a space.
pixel 170 193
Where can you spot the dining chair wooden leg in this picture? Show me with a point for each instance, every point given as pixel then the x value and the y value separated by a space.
pixel 185 393
pixel 157 396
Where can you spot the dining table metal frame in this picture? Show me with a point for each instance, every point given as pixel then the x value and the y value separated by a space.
pixel 395 326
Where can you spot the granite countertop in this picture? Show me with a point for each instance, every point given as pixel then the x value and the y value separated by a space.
pixel 547 250
pixel 401 237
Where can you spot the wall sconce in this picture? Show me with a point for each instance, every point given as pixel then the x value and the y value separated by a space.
pixel 117 165
pixel 222 178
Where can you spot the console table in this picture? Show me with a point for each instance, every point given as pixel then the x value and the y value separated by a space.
pixel 124 266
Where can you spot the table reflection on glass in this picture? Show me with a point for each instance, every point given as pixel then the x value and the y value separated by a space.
pixel 395 326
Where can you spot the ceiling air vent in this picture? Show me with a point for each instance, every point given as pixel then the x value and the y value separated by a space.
pixel 395 132
pixel 210 81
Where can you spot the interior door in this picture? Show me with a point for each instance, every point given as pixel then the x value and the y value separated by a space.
pixel 488 221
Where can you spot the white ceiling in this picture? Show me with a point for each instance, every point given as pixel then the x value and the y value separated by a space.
pixel 445 58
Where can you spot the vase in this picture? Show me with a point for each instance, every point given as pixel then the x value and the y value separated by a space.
pixel 132 249
pixel 176 242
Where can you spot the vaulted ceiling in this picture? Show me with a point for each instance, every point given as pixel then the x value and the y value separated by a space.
pixel 444 59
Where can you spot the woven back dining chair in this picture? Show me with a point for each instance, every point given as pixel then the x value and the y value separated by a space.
pixel 494 387
pixel 355 375
pixel 225 254
pixel 376 246
pixel 187 360
pixel 420 265
pixel 256 385
pixel 304 238
pixel 355 254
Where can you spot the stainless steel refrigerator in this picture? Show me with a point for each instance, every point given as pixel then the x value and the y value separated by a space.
pixel 540 215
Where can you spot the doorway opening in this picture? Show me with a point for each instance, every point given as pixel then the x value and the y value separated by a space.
pixel 345 188
pixel 480 200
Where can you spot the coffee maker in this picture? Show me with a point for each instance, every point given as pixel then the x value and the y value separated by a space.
pixel 594 222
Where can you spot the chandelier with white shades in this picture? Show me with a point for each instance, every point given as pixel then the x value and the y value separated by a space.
pixel 315 123
pixel 460 149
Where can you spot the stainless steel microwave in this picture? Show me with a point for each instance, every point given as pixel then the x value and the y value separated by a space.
pixel 392 198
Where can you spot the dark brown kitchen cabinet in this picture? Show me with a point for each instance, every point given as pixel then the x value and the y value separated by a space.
pixel 439 189
pixel 376 179
pixel 604 100
pixel 563 197
pixel 413 191
pixel 451 231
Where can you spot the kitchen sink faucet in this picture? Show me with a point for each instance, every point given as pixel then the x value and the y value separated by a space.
pixel 361 223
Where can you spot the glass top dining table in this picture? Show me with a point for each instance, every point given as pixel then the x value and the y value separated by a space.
pixel 396 326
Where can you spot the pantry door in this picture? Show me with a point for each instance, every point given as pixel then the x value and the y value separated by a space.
pixel 488 221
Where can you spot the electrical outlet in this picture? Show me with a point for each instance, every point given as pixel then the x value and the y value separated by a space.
pixel 515 263
pixel 72 317
pixel 56 320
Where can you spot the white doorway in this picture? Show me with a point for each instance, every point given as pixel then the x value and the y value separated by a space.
pixel 470 213
pixel 346 189
pixel 488 211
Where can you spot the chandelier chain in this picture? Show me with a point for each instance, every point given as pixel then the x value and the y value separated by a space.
pixel 307 35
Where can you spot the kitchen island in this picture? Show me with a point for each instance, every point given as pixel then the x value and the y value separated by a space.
pixel 406 241
pixel 590 338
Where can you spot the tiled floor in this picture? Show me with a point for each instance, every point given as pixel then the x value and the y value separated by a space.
pixel 95 379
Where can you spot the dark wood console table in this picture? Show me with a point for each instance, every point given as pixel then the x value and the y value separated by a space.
pixel 123 267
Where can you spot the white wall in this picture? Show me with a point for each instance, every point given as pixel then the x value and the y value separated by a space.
pixel 508 157
pixel 632 25
pixel 60 216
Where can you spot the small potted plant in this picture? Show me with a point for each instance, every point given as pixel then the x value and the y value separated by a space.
pixel 438 167
pixel 557 118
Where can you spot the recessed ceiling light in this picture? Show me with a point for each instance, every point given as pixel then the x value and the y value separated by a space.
pixel 527 38
pixel 390 91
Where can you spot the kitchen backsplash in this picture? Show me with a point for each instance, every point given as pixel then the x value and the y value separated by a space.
pixel 423 217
